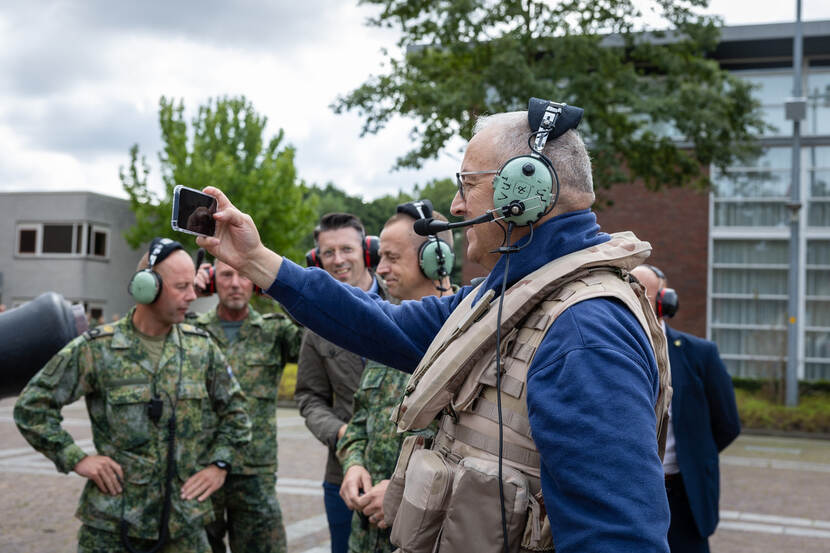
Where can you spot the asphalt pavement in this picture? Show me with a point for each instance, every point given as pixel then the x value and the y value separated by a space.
pixel 775 491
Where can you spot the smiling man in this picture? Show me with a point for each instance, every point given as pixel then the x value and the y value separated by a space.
pixel 551 409
pixel 149 380
pixel 328 375
pixel 368 450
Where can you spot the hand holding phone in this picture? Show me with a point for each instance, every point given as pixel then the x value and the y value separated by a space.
pixel 193 212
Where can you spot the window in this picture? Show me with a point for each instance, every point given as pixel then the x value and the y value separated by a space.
pixel 817 313
pixel 755 195
pixel 62 239
pixel 750 263
pixel 773 89
pixel 98 239
pixel 58 239
pixel 27 240
pixel 94 313
pixel 817 92
pixel 749 304
pixel 818 186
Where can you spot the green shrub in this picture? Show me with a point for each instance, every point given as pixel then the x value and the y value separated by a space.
pixel 812 414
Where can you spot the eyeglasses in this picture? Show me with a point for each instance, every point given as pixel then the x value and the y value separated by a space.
pixel 461 184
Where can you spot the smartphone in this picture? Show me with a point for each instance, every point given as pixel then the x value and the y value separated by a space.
pixel 193 212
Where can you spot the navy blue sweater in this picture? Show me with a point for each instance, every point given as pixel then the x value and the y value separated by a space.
pixel 592 387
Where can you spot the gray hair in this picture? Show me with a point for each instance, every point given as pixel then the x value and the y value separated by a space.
pixel 567 152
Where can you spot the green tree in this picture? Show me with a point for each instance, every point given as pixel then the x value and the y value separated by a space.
pixel 374 213
pixel 464 58
pixel 441 192
pixel 224 147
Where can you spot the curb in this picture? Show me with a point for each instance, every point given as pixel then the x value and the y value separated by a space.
pixel 785 433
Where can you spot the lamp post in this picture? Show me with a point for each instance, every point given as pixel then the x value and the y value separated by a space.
pixel 796 110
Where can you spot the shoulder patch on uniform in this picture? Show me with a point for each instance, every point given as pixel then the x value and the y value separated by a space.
pixel 272 316
pixel 99 331
pixel 190 329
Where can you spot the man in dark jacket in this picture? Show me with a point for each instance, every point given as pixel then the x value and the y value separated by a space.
pixel 327 375
pixel 703 421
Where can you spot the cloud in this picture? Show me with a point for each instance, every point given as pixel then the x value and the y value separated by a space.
pixel 83 127
pixel 52 45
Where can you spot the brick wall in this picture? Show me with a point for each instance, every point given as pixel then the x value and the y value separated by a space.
pixel 676 222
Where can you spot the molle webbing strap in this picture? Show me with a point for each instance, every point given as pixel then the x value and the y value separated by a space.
pixel 490 444
pixel 509 385
pixel 511 419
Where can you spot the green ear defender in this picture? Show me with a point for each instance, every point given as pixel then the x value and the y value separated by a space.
pixel 522 191
pixel 145 286
pixel 527 186
pixel 436 258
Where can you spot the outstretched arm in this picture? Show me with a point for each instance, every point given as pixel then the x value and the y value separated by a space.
pixel 344 315
pixel 237 243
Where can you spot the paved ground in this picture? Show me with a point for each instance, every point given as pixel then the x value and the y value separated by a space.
pixel 775 492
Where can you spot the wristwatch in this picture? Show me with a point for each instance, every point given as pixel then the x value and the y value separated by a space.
pixel 222 465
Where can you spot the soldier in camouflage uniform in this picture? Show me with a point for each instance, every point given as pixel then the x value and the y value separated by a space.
pixel 257 347
pixel 135 376
pixel 369 448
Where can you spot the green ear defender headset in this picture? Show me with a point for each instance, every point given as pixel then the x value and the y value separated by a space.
pixel 145 285
pixel 523 190
pixel 435 257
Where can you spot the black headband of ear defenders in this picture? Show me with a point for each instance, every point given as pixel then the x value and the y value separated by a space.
pixel 160 248
pixel 421 209
pixel 567 120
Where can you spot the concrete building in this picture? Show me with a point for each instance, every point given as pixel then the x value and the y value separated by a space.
pixel 71 243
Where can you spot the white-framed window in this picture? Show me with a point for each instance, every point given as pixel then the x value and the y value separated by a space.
pixel 98 241
pixel 750 262
pixel 59 239
pixel 94 311
pixel 773 87
pixel 27 239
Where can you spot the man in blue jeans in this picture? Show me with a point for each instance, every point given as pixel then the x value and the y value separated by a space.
pixel 327 375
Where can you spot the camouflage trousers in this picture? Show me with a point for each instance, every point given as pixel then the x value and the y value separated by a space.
pixel 246 507
pixel 368 538
pixel 93 540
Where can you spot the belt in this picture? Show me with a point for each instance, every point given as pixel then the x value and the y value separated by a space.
pixel 674 482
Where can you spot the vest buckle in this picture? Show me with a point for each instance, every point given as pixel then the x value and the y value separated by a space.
pixel 450 412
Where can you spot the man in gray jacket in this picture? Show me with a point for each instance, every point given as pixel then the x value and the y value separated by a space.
pixel 327 375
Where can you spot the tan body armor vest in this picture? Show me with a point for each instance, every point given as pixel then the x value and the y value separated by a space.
pixel 436 495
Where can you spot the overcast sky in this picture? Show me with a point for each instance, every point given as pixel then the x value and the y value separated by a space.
pixel 80 83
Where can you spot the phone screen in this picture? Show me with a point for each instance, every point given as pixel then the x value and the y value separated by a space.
pixel 193 211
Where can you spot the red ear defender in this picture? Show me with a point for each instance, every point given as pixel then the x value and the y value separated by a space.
pixel 666 303
pixel 371 251
pixel 312 258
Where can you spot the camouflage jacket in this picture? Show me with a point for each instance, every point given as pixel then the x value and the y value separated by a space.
pixel 327 378
pixel 109 367
pixel 258 356
pixel 372 441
